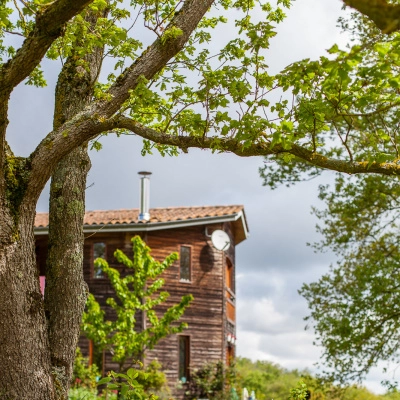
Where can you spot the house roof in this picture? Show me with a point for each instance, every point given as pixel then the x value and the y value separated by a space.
pixel 160 218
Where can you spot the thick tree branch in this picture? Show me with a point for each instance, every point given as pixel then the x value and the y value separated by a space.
pixel 88 124
pixel 261 148
pixel 156 56
pixel 386 16
pixel 49 26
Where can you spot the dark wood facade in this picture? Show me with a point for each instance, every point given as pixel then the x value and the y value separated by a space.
pixel 211 317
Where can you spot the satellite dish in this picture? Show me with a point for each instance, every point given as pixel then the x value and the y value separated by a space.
pixel 220 240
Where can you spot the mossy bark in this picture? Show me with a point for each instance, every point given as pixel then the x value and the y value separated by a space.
pixel 24 357
pixel 66 291
pixel 384 14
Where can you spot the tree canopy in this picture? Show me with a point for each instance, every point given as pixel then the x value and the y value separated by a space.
pixel 354 308
pixel 338 112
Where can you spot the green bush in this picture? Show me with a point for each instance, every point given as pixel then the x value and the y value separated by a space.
pixel 212 381
pixel 84 375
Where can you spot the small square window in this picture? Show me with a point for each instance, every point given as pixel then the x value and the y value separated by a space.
pixel 99 251
pixel 185 263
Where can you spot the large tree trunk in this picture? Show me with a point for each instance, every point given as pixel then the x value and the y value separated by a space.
pixel 65 288
pixel 38 346
pixel 66 291
pixel 25 367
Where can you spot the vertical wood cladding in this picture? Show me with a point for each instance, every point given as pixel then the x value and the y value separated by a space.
pixel 206 316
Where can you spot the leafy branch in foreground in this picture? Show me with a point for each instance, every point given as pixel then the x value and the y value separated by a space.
pixel 128 385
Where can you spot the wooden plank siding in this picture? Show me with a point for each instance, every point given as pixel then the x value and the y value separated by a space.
pixel 207 315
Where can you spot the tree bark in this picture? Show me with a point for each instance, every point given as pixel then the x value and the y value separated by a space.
pixel 24 357
pixel 66 291
pixel 385 15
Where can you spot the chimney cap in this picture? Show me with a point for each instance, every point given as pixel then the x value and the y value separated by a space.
pixel 144 173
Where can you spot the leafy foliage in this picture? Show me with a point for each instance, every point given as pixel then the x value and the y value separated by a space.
pixel 300 392
pixel 342 107
pixel 137 291
pixel 128 385
pixel 270 381
pixel 354 308
pixel 136 383
pixel 213 381
pixel 81 393
pixel 84 375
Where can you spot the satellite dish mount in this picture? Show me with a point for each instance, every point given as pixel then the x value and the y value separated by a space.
pixel 220 239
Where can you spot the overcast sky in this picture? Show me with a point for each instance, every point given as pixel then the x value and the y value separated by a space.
pixel 274 262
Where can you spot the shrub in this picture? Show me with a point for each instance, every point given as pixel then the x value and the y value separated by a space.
pixel 213 381
pixel 84 375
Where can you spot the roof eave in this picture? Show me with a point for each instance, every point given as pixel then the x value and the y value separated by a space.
pixel 156 226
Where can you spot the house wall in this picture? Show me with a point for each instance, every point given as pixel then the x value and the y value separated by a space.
pixel 206 316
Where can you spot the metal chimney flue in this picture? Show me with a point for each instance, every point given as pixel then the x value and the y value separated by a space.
pixel 144 212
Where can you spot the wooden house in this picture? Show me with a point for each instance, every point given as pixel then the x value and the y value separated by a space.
pixel 204 271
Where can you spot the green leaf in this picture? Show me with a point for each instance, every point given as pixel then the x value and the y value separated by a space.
pixel 104 380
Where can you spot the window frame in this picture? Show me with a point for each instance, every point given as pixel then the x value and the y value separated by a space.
pixel 93 258
pixel 184 280
pixel 186 367
pixel 229 275
pixel 230 354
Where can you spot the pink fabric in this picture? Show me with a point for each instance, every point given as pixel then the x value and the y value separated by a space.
pixel 42 280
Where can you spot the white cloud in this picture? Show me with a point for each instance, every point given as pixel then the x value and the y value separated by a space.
pixel 261 316
pixel 291 350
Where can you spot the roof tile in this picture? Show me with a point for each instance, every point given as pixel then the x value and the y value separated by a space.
pixel 157 215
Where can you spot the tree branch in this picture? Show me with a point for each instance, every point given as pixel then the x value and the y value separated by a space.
pixel 386 16
pixel 261 148
pixel 49 26
pixel 156 56
pixel 88 124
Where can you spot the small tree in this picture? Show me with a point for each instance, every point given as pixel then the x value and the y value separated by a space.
pixel 137 291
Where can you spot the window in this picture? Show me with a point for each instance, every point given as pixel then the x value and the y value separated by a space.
pixel 99 251
pixel 230 281
pixel 184 358
pixel 230 354
pixel 185 263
